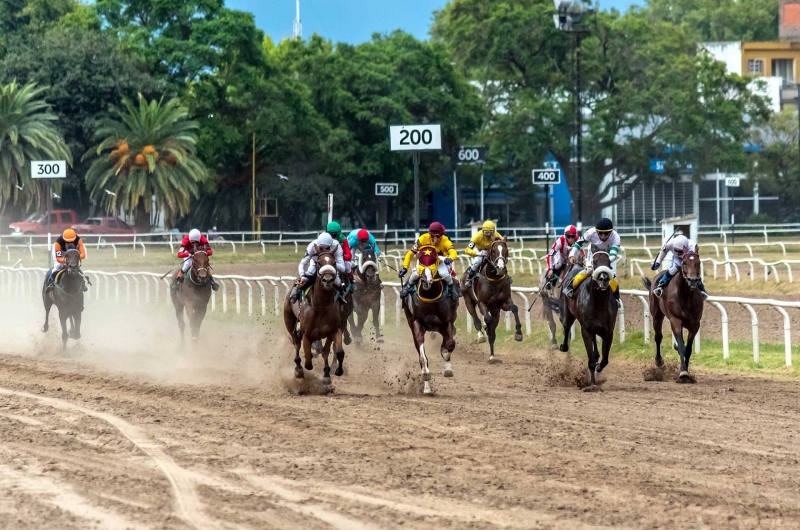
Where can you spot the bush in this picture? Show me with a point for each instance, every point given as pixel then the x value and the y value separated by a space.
pixel 760 219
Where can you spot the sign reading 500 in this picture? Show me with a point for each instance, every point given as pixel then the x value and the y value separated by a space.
pixel 48 169
pixel 415 137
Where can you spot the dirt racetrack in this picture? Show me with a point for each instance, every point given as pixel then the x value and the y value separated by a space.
pixel 132 430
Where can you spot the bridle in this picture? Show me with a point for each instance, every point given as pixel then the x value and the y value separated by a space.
pixel 502 249
pixel 686 258
pixel 597 271
pixel 198 269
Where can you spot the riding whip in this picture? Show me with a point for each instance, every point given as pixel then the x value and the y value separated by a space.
pixel 173 268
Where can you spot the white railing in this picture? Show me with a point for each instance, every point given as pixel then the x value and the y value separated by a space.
pixel 730 268
pixel 147 286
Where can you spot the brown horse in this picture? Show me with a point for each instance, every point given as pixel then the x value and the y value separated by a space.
pixel 427 309
pixel 367 295
pixel 319 317
pixel 595 307
pixel 682 304
pixel 491 293
pixel 192 294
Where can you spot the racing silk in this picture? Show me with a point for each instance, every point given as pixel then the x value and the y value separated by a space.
pixel 312 255
pixel 352 241
pixel 444 248
pixel 480 242
pixel 558 254
pixel 188 248
pixel 667 248
pixel 611 245
pixel 61 247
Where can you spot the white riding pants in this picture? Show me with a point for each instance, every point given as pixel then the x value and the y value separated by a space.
pixel 187 264
pixel 477 261
pixel 443 270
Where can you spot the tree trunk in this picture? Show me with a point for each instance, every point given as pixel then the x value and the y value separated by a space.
pixel 142 218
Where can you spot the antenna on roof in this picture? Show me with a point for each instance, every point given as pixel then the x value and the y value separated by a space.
pixel 297 27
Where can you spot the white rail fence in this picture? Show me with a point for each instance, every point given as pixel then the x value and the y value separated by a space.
pixel 147 287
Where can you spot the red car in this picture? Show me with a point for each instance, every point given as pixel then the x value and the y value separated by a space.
pixel 107 226
pixel 36 224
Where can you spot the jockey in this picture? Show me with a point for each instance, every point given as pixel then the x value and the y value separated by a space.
pixel 68 240
pixel 679 246
pixel 193 242
pixel 444 247
pixel 361 239
pixel 307 269
pixel 558 256
pixel 478 246
pixel 335 230
pixel 603 238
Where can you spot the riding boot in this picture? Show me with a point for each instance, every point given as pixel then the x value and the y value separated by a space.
pixel 51 283
pixel 408 289
pixel 702 289
pixel 341 293
pixel 453 290
pixel 616 297
pixel 470 275
pixel 178 280
pixel 569 291
pixel 662 283
pixel 214 284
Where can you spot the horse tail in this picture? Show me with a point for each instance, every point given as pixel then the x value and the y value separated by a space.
pixel 647 283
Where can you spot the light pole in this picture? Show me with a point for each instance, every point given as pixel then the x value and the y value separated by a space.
pixel 570 19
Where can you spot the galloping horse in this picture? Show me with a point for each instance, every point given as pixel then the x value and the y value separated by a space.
pixel 491 292
pixel 193 294
pixel 67 295
pixel 551 298
pixel 319 317
pixel 367 295
pixel 427 309
pixel 682 303
pixel 595 307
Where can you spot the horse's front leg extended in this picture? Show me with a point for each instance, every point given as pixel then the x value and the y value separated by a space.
pixel 198 314
pixel 307 352
pixel 376 320
pixel 589 344
pixel 62 317
pixel 491 331
pixel 337 342
pixel 48 304
pixel 448 345
pixel 326 371
pixel 510 306
pixel 75 332
pixel 471 309
pixel 418 332
pixel 567 321
pixel 677 332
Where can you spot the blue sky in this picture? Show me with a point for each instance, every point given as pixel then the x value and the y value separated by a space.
pixel 354 21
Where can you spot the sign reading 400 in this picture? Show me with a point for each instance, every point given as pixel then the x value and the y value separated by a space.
pixel 546 176
pixel 48 169
pixel 415 137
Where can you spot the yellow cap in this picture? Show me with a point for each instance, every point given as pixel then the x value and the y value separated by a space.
pixel 488 225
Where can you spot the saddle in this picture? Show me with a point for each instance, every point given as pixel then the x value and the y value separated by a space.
pixel 570 276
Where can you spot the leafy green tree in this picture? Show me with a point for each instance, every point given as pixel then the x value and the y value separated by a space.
pixel 720 20
pixel 777 166
pixel 27 132
pixel 147 150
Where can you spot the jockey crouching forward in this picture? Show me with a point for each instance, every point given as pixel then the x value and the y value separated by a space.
pixel 193 242
pixel 68 240
pixel 361 239
pixel 478 247
pixel 679 246
pixel 602 238
pixel 307 269
pixel 558 257
pixel 444 247
pixel 335 231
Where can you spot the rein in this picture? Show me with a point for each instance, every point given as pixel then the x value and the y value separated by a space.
pixel 493 262
pixel 198 269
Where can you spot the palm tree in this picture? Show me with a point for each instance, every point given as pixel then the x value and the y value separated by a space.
pixel 151 151
pixel 27 132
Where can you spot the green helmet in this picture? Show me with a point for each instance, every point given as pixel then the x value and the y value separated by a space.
pixel 334 229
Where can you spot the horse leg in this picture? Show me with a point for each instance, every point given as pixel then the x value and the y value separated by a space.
pixel 589 341
pixel 179 315
pixel 326 371
pixel 491 330
pixel 75 331
pixel 448 345
pixel 297 342
pixel 511 306
pixel 547 314
pixel 566 322
pixel 345 314
pixel 337 342
pixel 607 339
pixel 691 333
pixel 307 353
pixel 658 323
pixel 198 314
pixel 376 320
pixel 356 325
pixel 683 350
pixel 62 316
pixel 475 320
pixel 48 304
pixel 418 332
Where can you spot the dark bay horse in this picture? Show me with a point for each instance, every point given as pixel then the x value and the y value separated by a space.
pixel 67 295
pixel 367 296
pixel 491 293
pixel 682 304
pixel 427 309
pixel 192 294
pixel 595 307
pixel 319 317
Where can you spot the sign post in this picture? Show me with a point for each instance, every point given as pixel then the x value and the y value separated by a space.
pixel 467 156
pixel 733 183
pixel 547 178
pixel 415 138
pixel 48 170
pixel 330 207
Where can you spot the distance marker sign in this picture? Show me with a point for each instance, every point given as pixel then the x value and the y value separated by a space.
pixel 546 176
pixel 415 137
pixel 48 169
pixel 386 189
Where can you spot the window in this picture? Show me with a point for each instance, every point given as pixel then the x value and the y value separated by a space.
pixel 93 222
pixel 66 218
pixel 783 68
pixel 755 66
pixel 53 218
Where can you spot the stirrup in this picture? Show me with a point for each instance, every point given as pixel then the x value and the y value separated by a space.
pixel 658 291
pixel 705 295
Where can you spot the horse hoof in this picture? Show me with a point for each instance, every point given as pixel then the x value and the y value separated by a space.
pixel 309 366
pixel 448 372
pixel 315 354
pixel 379 340
pixel 592 388
pixel 659 362
pixel 495 360
pixel 45 328
pixel 481 339
pixel 298 373
pixel 563 348
pixel 347 340
pixel 339 371
pixel 599 368
pixel 326 381
pixel 685 378
pixel 426 389
pixel 518 337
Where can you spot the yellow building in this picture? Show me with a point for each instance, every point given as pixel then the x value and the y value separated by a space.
pixel 771 59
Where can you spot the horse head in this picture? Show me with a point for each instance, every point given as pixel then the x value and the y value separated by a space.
pixel 326 274
pixel 200 267
pixel 428 259
pixel 72 261
pixel 498 255
pixel 690 268
pixel 368 266
pixel 601 270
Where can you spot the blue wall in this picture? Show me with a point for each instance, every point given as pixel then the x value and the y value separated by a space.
pixel 562 199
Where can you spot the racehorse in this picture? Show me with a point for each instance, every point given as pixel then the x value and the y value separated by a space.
pixel 595 307
pixel 192 294
pixel 682 303
pixel 67 295
pixel 551 298
pixel 427 309
pixel 491 292
pixel 319 317
pixel 367 295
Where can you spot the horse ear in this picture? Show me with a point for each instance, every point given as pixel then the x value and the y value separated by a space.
pixel 505 238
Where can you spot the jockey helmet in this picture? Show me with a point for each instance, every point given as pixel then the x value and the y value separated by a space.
pixel 679 245
pixel 69 235
pixel 571 231
pixel 488 225
pixel 436 229
pixel 362 235
pixel 334 228
pixel 604 225
pixel 325 240
pixel 195 235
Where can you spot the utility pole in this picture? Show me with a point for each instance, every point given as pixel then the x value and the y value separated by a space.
pixel 297 26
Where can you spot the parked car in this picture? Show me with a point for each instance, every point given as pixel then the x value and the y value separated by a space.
pixel 106 226
pixel 60 220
